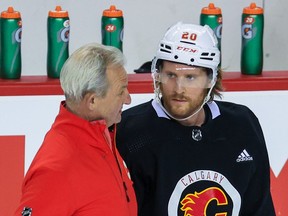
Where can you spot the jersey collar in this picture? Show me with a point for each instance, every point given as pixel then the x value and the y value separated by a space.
pixel 214 109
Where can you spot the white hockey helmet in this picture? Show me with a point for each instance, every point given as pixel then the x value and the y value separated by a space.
pixel 189 44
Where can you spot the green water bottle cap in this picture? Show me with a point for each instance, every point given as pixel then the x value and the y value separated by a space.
pixel 253 9
pixel 112 12
pixel 10 14
pixel 58 13
pixel 211 9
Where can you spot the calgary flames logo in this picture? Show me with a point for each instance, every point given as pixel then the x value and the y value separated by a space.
pixel 218 197
pixel 197 203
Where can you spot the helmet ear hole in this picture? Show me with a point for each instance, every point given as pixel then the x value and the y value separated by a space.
pixel 192 59
pixel 156 76
pixel 210 84
pixel 176 57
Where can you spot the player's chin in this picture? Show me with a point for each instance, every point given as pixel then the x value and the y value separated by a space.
pixel 179 113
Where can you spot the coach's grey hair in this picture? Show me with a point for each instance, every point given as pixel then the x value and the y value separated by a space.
pixel 85 70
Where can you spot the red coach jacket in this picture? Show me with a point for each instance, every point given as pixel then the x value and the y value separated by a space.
pixel 77 171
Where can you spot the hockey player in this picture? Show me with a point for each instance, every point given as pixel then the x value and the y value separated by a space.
pixel 187 153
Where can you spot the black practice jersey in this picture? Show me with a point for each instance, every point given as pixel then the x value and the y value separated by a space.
pixel 220 168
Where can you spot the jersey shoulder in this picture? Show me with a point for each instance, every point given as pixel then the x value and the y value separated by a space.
pixel 141 109
pixel 238 117
pixel 235 111
pixel 138 114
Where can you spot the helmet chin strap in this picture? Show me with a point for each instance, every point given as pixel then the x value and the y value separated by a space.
pixel 206 99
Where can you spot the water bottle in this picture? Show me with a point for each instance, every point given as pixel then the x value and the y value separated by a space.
pixel 112 27
pixel 252 40
pixel 10 44
pixel 58 29
pixel 212 16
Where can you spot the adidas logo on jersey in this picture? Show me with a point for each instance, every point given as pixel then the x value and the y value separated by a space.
pixel 244 156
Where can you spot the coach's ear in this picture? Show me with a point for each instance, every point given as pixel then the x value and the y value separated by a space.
pixel 90 100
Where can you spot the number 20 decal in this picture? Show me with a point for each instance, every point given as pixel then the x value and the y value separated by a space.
pixel 188 36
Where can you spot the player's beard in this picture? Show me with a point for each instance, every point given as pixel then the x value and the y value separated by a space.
pixel 181 106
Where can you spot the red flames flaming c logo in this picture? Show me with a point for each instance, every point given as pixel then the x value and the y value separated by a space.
pixel 197 203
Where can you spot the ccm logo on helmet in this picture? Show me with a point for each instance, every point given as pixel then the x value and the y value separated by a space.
pixel 185 49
